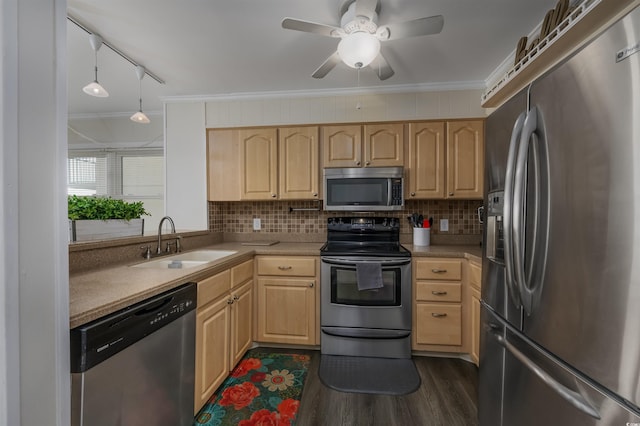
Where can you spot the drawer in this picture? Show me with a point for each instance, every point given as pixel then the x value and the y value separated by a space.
pixel 241 273
pixel 213 287
pixel 287 266
pixel 438 324
pixel 431 291
pixel 475 275
pixel 438 269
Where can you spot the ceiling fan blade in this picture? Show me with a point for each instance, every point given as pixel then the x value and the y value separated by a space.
pixel 382 68
pixel 414 28
pixel 311 27
pixel 327 66
pixel 366 8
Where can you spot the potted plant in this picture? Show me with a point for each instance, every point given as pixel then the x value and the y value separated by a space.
pixel 99 218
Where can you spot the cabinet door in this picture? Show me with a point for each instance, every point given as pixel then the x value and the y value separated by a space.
pixel 212 350
pixel 241 321
pixel 286 310
pixel 426 160
pixel 298 163
pixel 384 145
pixel 342 146
pixel 223 173
pixel 259 163
pixel 475 326
pixel 465 159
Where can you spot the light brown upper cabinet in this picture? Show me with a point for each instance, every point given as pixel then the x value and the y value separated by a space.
pixel 426 160
pixel 263 163
pixel 370 145
pixel 258 163
pixel 465 159
pixel 298 163
pixel 445 160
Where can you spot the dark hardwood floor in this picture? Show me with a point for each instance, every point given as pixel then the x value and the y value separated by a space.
pixel 447 397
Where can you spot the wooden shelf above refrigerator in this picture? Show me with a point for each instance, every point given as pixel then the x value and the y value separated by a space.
pixel 583 24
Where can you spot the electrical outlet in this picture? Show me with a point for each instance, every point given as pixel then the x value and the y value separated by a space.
pixel 444 225
pixel 256 224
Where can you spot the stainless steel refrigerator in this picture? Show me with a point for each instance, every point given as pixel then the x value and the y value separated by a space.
pixel 560 341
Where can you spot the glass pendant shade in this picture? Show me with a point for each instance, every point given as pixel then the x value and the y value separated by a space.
pixel 95 89
pixel 140 117
pixel 359 49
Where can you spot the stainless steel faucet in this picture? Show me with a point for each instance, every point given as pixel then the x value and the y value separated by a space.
pixel 173 231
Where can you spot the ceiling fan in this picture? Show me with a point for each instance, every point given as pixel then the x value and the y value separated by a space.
pixel 361 36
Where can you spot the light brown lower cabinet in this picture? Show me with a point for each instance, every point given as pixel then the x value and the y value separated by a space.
pixel 475 279
pixel 223 327
pixel 287 293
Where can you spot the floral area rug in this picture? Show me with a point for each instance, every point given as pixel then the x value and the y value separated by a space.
pixel 264 389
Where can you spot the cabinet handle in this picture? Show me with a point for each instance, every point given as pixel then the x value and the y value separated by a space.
pixel 451 194
pixel 273 195
pixel 315 194
pixel 439 271
pixel 439 293
pixel 229 301
pixel 367 163
pixel 284 268
pixel 437 315
pixel 235 297
pixel 311 285
pixel 413 194
pixel 357 163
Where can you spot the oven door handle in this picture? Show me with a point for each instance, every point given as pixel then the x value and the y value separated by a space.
pixel 354 262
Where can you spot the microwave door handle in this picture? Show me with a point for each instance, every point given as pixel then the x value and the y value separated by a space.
pixel 389 192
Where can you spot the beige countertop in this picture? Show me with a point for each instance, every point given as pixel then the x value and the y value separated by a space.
pixel 103 291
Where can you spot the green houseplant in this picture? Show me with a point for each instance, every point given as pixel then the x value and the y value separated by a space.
pixel 97 218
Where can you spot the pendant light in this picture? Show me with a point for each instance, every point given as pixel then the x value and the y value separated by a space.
pixel 94 88
pixel 140 117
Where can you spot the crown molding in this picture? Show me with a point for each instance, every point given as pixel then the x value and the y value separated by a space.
pixel 295 94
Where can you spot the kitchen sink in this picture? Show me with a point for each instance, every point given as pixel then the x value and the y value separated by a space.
pixel 185 260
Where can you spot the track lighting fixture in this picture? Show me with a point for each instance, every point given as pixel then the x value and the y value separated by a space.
pixel 94 88
pixel 140 117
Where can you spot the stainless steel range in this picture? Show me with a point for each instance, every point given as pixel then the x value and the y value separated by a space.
pixel 365 289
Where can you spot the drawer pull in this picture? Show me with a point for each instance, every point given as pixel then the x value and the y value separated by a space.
pixel 284 268
pixel 311 285
pixel 439 271
pixel 235 297
pixel 229 301
pixel 439 293
pixel 437 315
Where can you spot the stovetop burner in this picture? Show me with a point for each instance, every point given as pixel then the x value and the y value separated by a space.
pixel 369 236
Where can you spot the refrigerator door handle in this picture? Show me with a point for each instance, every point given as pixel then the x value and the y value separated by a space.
pixel 508 208
pixel 529 284
pixel 572 397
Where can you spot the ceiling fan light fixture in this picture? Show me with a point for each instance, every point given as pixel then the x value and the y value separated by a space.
pixel 358 49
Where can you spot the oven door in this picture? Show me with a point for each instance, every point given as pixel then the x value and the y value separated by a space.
pixel 387 309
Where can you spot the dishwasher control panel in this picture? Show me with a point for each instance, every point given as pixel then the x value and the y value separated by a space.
pixel 100 339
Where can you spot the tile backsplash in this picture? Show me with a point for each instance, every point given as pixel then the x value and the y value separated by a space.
pixel 281 217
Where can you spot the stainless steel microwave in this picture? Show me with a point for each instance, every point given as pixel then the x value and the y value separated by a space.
pixel 364 189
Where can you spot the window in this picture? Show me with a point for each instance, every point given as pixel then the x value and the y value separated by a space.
pixel 131 175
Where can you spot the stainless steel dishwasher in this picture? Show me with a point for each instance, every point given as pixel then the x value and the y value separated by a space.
pixel 136 366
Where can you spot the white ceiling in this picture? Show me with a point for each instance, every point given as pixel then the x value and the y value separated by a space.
pixel 229 47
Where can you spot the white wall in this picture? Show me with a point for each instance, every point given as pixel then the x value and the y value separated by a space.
pixel 34 324
pixel 186 165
